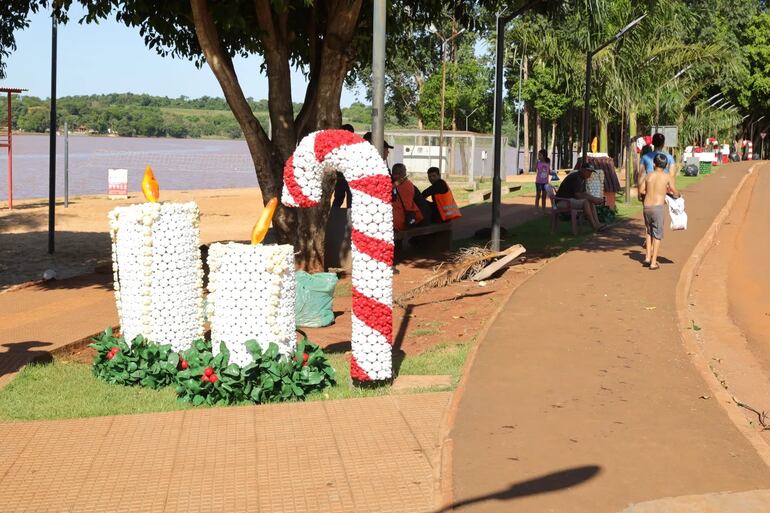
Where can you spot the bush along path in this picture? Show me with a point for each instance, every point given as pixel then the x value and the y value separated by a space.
pixel 202 378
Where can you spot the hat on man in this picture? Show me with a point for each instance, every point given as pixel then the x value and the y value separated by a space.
pixel 588 167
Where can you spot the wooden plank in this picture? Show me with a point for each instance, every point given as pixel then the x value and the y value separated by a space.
pixel 512 254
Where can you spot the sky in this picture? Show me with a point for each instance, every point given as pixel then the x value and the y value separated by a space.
pixel 112 58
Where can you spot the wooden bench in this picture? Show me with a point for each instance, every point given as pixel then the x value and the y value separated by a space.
pixel 479 196
pixel 443 230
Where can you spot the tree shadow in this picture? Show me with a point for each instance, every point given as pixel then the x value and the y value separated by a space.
pixel 542 484
pixel 24 258
pixel 20 354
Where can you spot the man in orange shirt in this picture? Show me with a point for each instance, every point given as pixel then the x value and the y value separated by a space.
pixel 406 213
pixel 443 204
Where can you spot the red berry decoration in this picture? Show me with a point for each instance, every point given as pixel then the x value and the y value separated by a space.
pixel 183 363
pixel 205 378
pixel 208 371
pixel 213 378
pixel 304 359
pixel 110 355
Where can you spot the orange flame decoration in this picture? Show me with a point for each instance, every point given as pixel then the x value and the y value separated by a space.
pixel 150 186
pixel 263 223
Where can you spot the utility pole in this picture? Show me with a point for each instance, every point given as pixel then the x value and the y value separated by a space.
pixel 378 75
pixel 52 145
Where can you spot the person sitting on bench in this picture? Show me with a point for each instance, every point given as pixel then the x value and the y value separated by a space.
pixel 442 203
pixel 406 213
pixel 572 192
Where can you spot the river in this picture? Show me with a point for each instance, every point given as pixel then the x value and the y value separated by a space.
pixel 178 164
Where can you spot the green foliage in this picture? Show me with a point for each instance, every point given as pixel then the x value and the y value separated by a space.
pixel 143 363
pixel 468 88
pixel 202 378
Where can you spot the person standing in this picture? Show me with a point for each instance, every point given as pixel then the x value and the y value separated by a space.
pixel 659 145
pixel 541 178
pixel 653 188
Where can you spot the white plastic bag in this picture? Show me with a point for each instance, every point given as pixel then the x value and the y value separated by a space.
pixel 677 213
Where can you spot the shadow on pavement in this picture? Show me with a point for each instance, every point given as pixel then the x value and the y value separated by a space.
pixel 24 257
pixel 543 484
pixel 19 354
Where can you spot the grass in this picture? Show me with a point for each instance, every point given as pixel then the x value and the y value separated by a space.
pixel 535 235
pixel 63 390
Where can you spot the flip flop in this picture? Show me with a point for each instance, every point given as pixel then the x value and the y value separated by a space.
pixel 646 263
pixel 657 266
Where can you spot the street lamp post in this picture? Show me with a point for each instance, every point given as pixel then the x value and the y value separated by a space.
pixel 589 57
pixel 444 43
pixel 468 116
pixel 519 108
pixel 501 21
pixel 378 74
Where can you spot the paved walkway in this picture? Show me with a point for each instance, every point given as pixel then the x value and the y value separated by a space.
pixel 582 398
pixel 358 455
pixel 42 318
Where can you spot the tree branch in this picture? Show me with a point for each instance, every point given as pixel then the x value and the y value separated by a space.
pixel 274 27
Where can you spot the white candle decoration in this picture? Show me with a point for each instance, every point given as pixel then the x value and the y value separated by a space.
pixel 158 272
pixel 251 297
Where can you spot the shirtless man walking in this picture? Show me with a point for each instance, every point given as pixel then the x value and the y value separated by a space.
pixel 653 189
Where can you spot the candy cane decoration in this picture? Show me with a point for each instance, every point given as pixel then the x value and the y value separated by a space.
pixel 372 236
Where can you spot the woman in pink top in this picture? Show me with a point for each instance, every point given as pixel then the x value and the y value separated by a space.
pixel 541 179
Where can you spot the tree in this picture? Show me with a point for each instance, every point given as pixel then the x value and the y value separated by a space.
pixel 328 39
pixel 468 87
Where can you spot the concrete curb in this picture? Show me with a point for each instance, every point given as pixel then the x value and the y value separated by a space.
pixel 689 340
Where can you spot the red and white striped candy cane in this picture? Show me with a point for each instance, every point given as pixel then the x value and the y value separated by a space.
pixel 372 236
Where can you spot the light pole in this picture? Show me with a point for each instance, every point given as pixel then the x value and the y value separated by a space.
pixel 444 43
pixel 501 21
pixel 519 108
pixel 52 145
pixel 378 74
pixel 468 116
pixel 589 57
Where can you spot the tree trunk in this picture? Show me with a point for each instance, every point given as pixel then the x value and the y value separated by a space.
pixel 525 128
pixel 538 133
pixel 570 137
pixel 329 64
pixel 552 142
pixel 632 161
pixel 603 147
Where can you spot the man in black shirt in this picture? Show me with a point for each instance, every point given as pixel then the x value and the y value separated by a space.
pixel 437 186
pixel 572 192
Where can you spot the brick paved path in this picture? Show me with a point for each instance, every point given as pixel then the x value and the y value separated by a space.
pixel 45 317
pixel 358 455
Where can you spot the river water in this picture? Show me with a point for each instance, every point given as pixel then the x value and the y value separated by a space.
pixel 178 164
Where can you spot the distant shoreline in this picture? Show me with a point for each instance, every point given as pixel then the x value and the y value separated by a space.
pixel 115 136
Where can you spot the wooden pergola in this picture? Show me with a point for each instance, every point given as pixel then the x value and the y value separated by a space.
pixel 6 140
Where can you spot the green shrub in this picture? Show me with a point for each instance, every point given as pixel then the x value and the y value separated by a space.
pixel 202 378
